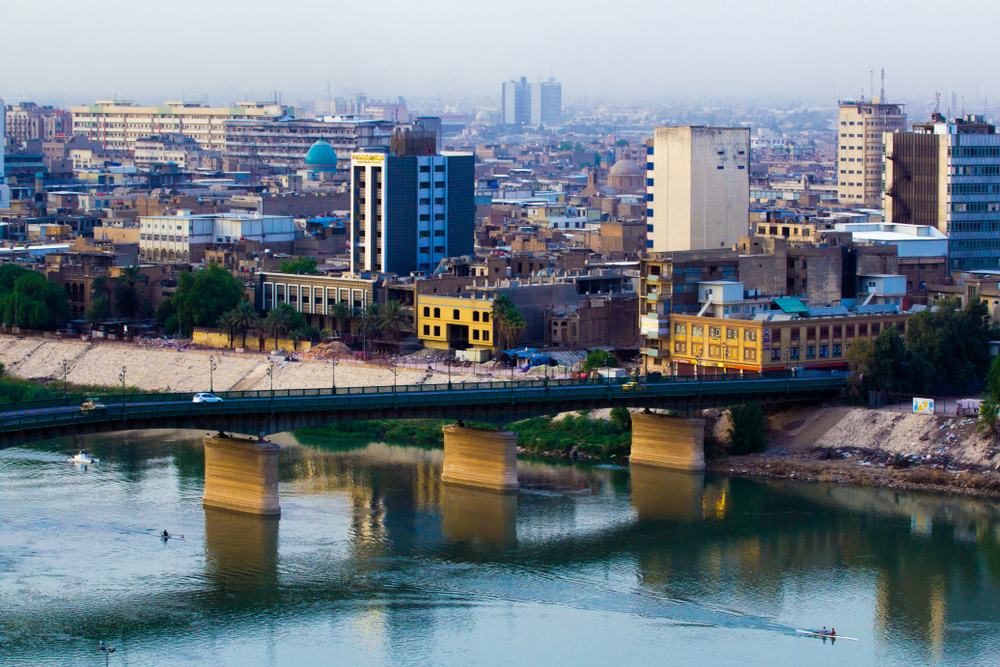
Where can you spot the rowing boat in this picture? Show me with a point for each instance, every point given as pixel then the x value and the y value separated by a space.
pixel 813 633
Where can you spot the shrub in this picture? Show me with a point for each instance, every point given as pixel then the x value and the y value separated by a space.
pixel 748 429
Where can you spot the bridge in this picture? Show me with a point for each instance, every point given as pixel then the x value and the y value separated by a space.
pixel 241 472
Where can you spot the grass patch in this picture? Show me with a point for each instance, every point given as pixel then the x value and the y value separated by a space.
pixel 415 431
pixel 16 390
pixel 593 437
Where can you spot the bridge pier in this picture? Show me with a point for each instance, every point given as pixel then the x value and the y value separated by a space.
pixel 479 516
pixel 480 457
pixel 668 442
pixel 241 475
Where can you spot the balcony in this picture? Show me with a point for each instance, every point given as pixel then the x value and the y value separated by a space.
pixel 654 296
pixel 653 352
pixel 654 327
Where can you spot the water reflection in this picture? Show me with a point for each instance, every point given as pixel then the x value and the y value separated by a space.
pixel 479 516
pixel 658 493
pixel 241 554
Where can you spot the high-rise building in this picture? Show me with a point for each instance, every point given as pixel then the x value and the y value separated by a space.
pixel 117 125
pixel 410 210
pixel 4 189
pixel 697 188
pixel 535 104
pixel 30 122
pixel 947 175
pixel 861 129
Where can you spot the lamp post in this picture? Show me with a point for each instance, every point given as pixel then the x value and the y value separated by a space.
pixel 65 375
pixel 107 653
pixel 122 378
pixel 270 376
pixel 211 372
pixel 451 354
pixel 394 362
pixel 333 378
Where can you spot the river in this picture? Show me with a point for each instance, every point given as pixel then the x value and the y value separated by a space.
pixel 375 562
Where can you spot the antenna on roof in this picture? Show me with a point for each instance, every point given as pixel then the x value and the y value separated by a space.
pixel 881 95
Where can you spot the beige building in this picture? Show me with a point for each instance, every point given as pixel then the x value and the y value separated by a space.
pixel 315 297
pixel 697 188
pixel 119 125
pixel 862 126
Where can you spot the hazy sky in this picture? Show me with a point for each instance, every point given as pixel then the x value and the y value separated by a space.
pixel 77 51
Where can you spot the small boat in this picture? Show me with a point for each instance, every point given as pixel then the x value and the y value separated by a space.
pixel 83 456
pixel 825 635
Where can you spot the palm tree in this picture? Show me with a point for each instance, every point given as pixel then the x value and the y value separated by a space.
pixel 245 318
pixel 227 325
pixel 277 322
pixel 341 311
pixel 129 289
pixel 101 288
pixel 369 325
pixel 394 318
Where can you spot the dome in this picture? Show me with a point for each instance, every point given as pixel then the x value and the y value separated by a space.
pixel 322 157
pixel 625 168
pixel 483 117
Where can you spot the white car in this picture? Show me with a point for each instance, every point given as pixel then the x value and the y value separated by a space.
pixel 206 398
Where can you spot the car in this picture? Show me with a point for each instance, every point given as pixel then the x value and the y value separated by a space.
pixel 633 386
pixel 206 398
pixel 92 404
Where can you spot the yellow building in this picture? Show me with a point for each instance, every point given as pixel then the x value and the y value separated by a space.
pixel 454 322
pixel 730 345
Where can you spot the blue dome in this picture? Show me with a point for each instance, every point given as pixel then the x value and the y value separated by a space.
pixel 322 157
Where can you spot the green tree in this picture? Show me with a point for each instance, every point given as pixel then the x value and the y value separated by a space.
pixel 303 266
pixel 99 311
pixel 953 340
pixel 747 429
pixel 28 300
pixel 368 327
pixel 244 318
pixel 394 319
pixel 279 321
pixel 621 418
pixel 991 403
pixel 509 323
pixel 599 359
pixel 340 311
pixel 227 325
pixel 565 145
pixel 621 143
pixel 130 292
pixel 102 287
pixel 200 300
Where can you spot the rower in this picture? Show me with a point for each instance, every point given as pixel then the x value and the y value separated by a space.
pixel 833 632
pixel 165 535
pixel 822 632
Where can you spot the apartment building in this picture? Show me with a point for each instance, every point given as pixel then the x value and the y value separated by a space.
pixel 119 125
pixel 408 212
pixel 946 174
pixel 862 128
pixel 29 122
pixel 185 237
pixel 697 188
pixel 285 142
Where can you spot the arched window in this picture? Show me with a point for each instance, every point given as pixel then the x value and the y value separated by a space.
pixel 486 317
pixel 475 316
pixel 427 311
pixel 437 312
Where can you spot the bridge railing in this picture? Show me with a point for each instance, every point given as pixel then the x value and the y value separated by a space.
pixel 111 399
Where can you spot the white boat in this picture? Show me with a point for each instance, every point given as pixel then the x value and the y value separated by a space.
pixel 824 635
pixel 83 456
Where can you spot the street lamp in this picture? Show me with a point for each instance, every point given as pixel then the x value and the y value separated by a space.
pixel 451 355
pixel 122 378
pixel 65 374
pixel 394 362
pixel 270 376
pixel 107 652
pixel 211 372
pixel 333 379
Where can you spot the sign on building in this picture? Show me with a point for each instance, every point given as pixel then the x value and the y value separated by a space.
pixel 923 406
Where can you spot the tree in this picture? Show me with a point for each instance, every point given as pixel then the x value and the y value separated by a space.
pixel 953 341
pixel 621 418
pixel 747 429
pixel 244 318
pixel 508 322
pixel 368 327
pixel 621 143
pixel 130 292
pixel 101 287
pixel 303 266
pixel 28 300
pixel 200 300
pixel 394 318
pixel 99 311
pixel 279 321
pixel 991 404
pixel 599 359
pixel 227 325
pixel 340 311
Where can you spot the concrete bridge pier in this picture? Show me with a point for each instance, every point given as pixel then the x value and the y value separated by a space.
pixel 480 458
pixel 479 516
pixel 668 442
pixel 241 475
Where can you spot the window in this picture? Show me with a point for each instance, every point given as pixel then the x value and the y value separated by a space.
pixel 455 315
pixel 439 168
pixel 426 201
pixel 680 329
pixel 475 334
pixel 649 182
pixel 776 354
pixel 439 184
pixel 875 329
pixel 793 353
pixel 850 331
pixel 715 332
pixel 425 217
pixel 749 354
pixel 732 334
pixel 475 316
pixel 836 331
pixel 427 311
pixel 824 351
pixel 439 201
pixel 486 335
pixel 749 334
pixel 810 333
pixel 697 330
pixel 486 317
pixel 836 350
pixel 427 330
pixel 437 331
pixel 824 332
pixel 680 348
pixel 425 169
pixel 437 312
pixel 714 351
pixel 811 352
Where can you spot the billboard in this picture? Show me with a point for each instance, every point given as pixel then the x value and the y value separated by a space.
pixel 923 406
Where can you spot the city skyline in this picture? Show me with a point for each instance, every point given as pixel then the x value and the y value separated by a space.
pixel 740 53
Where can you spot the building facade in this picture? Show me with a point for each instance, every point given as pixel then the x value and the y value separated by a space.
pixel 862 128
pixel 524 103
pixel 118 125
pixel 316 296
pixel 285 142
pixel 453 321
pixel 408 212
pixel 185 237
pixel 946 174
pixel 30 122
pixel 697 188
